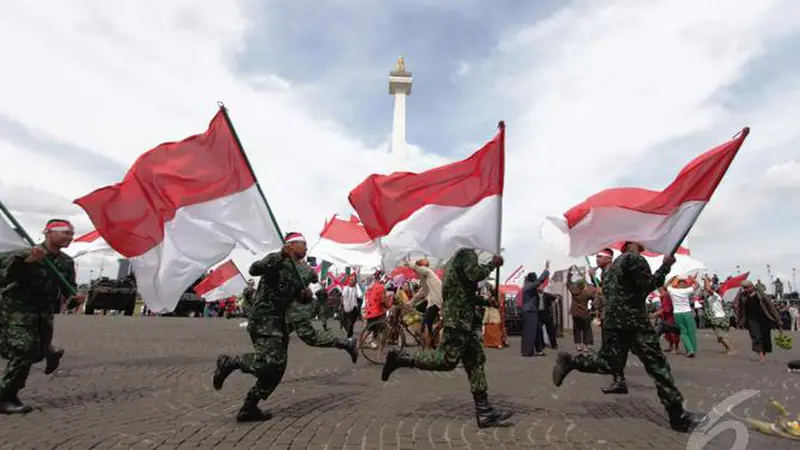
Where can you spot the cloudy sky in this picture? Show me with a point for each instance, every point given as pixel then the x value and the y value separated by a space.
pixel 594 94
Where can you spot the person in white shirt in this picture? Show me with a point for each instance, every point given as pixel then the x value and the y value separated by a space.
pixel 794 315
pixel 717 318
pixel 350 295
pixel 681 290
pixel 430 289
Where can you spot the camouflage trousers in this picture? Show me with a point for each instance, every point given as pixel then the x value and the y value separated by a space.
pixel 457 345
pixel 270 338
pixel 24 340
pixel 299 318
pixel 646 346
pixel 620 369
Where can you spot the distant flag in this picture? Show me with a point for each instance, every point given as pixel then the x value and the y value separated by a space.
pixel 659 220
pixel 223 282
pixel 731 287
pixel 90 242
pixel 516 275
pixel 346 243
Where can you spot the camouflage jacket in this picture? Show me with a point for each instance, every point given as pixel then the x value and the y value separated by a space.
pixel 248 295
pixel 462 307
pixel 626 286
pixel 277 288
pixel 33 287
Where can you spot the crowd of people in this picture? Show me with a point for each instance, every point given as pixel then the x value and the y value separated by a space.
pixel 283 302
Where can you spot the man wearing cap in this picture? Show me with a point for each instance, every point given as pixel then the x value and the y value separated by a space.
pixel 279 286
pixel 460 340
pixel 29 289
pixel 626 327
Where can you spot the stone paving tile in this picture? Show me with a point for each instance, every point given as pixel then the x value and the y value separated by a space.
pixel 129 382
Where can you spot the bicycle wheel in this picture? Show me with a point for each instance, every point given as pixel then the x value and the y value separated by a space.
pixel 376 341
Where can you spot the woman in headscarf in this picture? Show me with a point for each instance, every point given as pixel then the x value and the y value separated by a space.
pixel 758 314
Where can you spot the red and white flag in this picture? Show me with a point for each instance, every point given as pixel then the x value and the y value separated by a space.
pixel 657 219
pixel 346 243
pixel 223 282
pixel 516 275
pixel 90 242
pixel 436 212
pixel 729 289
pixel 181 208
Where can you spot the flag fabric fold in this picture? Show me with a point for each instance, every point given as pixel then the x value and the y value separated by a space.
pixel 181 208
pixel 659 220
pixel 730 288
pixel 346 243
pixel 438 211
pixel 223 282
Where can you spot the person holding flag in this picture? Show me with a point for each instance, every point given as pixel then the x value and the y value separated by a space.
pixel 30 287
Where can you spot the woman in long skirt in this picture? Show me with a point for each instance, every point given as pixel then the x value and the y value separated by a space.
pixel 759 315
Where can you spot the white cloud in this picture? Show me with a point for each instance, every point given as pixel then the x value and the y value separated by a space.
pixel 586 94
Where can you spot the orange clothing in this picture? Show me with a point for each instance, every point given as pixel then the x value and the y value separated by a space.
pixel 375 301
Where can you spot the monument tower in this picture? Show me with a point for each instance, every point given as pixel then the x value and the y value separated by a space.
pixel 400 88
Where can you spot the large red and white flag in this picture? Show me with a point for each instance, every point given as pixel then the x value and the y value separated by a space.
pixel 438 211
pixel 181 208
pixel 659 220
pixel 346 243
pixel 729 289
pixel 223 282
pixel 90 242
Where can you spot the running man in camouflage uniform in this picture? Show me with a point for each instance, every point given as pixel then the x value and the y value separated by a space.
pixel 626 327
pixel 300 317
pixel 29 289
pixel 460 341
pixel 269 329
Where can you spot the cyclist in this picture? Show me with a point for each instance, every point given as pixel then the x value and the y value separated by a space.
pixel 430 290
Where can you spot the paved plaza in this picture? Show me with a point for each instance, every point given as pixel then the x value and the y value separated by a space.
pixel 131 382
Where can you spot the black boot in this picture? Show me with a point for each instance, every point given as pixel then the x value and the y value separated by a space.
pixel 226 365
pixel 394 360
pixel 11 404
pixel 250 412
pixel 562 368
pixel 684 421
pixel 350 346
pixel 53 359
pixel 618 386
pixel 487 415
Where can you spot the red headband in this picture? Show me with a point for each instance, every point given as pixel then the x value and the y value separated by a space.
pixel 605 253
pixel 295 237
pixel 58 226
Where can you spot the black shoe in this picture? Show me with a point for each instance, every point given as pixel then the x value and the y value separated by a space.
pixel 617 387
pixel 685 421
pixel 394 360
pixel 351 347
pixel 226 365
pixel 13 405
pixel 562 368
pixel 53 359
pixel 250 412
pixel 487 416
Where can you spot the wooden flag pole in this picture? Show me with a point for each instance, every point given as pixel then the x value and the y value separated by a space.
pixel 24 235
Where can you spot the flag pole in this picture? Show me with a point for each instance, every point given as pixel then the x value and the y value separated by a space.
pixel 258 185
pixel 24 235
pixel 744 133
pixel 501 125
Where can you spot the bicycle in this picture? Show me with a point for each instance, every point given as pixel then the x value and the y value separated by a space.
pixel 390 333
